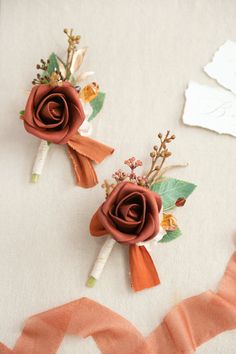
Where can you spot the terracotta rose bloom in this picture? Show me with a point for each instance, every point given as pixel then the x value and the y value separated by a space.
pixel 53 113
pixel 130 214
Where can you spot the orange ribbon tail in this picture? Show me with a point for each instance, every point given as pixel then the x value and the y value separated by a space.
pixel 83 151
pixel 143 271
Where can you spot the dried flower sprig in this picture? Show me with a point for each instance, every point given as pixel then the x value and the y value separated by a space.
pixel 132 163
pixel 73 41
pixel 108 187
pixel 56 76
pixel 159 153
pixel 42 78
pixel 45 77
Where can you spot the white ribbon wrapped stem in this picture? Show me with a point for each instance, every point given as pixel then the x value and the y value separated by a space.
pixel 40 160
pixel 101 261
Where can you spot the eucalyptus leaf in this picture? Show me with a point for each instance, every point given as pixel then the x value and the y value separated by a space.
pixel 22 113
pixel 97 104
pixel 171 189
pixel 53 64
pixel 170 235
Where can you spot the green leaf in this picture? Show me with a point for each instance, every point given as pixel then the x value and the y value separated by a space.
pixel 172 189
pixel 22 113
pixel 170 235
pixel 53 64
pixel 97 104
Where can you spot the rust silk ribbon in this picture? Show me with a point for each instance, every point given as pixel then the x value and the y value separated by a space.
pixel 192 322
pixel 83 152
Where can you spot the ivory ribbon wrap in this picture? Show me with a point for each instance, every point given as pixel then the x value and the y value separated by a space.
pixel 83 152
pixel 40 158
pixel 102 258
pixel 189 324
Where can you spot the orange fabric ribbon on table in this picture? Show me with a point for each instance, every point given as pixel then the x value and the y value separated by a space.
pixel 83 151
pixel 192 322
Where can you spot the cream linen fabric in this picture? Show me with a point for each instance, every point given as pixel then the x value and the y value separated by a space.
pixel 144 53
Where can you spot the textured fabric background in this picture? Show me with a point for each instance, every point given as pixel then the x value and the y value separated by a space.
pixel 144 53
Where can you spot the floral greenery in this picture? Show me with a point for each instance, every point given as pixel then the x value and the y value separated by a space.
pixel 97 104
pixel 170 235
pixel 171 190
pixel 53 64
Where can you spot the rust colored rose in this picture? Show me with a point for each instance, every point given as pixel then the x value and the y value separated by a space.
pixel 53 113
pixel 130 214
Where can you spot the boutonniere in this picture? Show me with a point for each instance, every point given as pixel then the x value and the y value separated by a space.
pixel 59 110
pixel 138 212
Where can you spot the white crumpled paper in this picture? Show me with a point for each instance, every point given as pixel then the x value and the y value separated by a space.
pixel 211 108
pixel 215 108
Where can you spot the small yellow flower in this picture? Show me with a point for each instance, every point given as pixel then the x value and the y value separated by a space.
pixel 89 92
pixel 169 222
pixel 54 79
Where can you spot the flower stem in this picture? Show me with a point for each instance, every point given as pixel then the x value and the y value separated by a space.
pixel 91 282
pixel 40 160
pixel 100 261
pixel 34 178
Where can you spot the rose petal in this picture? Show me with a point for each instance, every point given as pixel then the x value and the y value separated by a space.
pixel 43 117
pixel 112 229
pixel 53 109
pixel 149 230
pixel 41 92
pixel 131 212
pixel 134 198
pixel 124 226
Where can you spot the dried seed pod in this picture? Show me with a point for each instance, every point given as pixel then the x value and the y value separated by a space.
pixel 167 153
pixel 163 153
